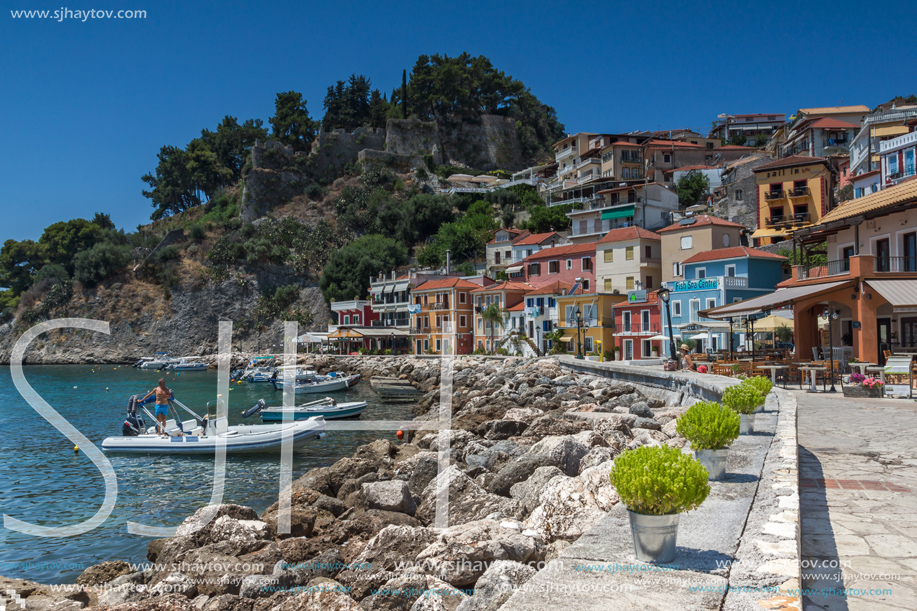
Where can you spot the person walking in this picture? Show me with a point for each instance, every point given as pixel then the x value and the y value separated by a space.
pixel 163 397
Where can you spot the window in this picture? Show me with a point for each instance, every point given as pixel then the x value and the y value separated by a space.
pixel 687 242
pixel 585 284
pixel 462 297
pixel 609 256
pixel 529 302
pixel 463 321
pixel 648 251
pixel 711 303
pixel 426 322
pixel 356 319
pixel 509 256
pixel 739 195
pixel 534 269
pixel 586 264
pixel 426 345
pixel 583 227
pixel 629 253
pixel 540 302
pixel 725 240
pixel 630 283
pixel 480 324
pixel 649 282
pixel 676 269
pixel 701 273
pixel 694 308
pixel 644 321
pixel 426 300
pixel 528 252
pixel 439 321
pixel 608 288
pixel 731 271
pixel 647 348
pixel 587 344
pixel 667 158
pixel 439 345
pixel 550 302
pixel 893 164
pixel 569 263
pixel 569 315
pixel 553 267
pixel 497 257
pixel 676 309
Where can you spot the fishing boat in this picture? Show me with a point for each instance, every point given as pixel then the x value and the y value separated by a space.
pixel 327 408
pixel 160 361
pixel 332 382
pixel 259 369
pixel 188 365
pixel 202 435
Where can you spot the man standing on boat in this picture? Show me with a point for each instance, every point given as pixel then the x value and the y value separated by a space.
pixel 163 396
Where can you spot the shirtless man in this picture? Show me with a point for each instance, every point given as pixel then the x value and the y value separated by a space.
pixel 163 395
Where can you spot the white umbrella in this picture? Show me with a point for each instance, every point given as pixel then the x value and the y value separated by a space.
pixel 660 337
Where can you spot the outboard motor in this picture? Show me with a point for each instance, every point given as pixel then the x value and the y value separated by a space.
pixel 133 423
pixel 257 407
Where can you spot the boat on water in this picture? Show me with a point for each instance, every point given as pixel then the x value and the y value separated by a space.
pixel 201 435
pixel 160 360
pixel 332 382
pixel 327 408
pixel 188 365
pixel 259 369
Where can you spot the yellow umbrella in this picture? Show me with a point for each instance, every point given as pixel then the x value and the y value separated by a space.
pixel 772 323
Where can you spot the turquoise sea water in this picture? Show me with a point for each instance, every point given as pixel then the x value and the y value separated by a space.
pixel 43 481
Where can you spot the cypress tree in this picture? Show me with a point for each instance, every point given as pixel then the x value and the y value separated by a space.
pixel 404 94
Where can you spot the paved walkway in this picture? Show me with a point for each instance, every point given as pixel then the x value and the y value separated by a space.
pixel 858 500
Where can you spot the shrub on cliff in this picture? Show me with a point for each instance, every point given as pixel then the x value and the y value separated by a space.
pixel 100 262
pixel 347 273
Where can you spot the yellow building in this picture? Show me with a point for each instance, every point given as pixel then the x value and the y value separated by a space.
pixel 793 193
pixel 596 321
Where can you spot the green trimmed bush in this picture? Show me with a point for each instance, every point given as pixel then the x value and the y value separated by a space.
pixel 659 480
pixel 708 426
pixel 743 398
pixel 761 384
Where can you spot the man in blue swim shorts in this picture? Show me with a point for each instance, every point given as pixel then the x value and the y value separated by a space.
pixel 163 395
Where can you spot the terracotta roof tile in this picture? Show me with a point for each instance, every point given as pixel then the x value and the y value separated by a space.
pixel 733 252
pixel 828 123
pixel 628 233
pixel 904 192
pixel 507 285
pixel 446 283
pixel 560 251
pixel 554 288
pixel 535 238
pixel 790 161
pixel 701 220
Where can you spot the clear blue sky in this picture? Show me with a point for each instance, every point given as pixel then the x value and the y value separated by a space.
pixel 86 106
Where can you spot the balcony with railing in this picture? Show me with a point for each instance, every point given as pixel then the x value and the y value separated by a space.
pixel 891 265
pixel 735 282
pixel 564 153
pixel 774 194
pixel 799 192
pixel 636 328
pixel 840 267
pixel 777 221
pixel 400 321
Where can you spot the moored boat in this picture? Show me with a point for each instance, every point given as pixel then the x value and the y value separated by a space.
pixel 327 408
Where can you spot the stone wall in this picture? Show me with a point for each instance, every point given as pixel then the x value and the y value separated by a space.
pixel 741 179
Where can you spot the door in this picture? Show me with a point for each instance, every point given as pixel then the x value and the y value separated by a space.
pixel 626 321
pixel 910 252
pixel 883 253
pixel 885 341
pixel 628 349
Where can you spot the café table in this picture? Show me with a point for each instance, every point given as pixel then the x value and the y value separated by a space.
pixel 774 369
pixel 861 366
pixel 878 369
pixel 812 369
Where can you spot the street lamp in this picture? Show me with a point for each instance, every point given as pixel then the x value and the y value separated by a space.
pixel 830 316
pixel 665 295
pixel 579 326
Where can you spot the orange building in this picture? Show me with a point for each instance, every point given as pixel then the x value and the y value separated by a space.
pixel 442 316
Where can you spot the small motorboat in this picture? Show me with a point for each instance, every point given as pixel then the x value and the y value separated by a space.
pixel 189 365
pixel 327 408
pixel 332 382
pixel 202 435
pixel 159 362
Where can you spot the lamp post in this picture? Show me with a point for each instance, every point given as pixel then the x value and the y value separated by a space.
pixel 665 295
pixel 830 316
pixel 579 327
pixel 730 337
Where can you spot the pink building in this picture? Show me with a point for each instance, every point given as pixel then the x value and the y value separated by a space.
pixel 561 263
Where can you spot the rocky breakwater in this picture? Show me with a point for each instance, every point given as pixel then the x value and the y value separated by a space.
pixel 527 475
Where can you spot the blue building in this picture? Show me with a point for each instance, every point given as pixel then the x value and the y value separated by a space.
pixel 719 277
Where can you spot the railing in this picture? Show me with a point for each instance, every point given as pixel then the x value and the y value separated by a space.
pixel 777 194
pixel 841 267
pixel 787 221
pixel 439 306
pixel 896 264
pixel 637 328
pixel 736 282
pixel 893 143
pixel 392 322
pixel 564 153
pixel 799 192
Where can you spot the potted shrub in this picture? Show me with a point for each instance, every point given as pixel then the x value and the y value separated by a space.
pixel 863 387
pixel 710 428
pixel 762 385
pixel 743 399
pixel 617 350
pixel 656 484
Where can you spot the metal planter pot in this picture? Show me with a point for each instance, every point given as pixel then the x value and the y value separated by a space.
pixel 714 462
pixel 654 536
pixel 746 424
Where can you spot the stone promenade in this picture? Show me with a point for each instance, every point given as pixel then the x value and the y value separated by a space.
pixel 858 501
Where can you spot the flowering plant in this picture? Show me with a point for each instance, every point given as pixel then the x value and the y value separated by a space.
pixel 857 378
pixel 872 383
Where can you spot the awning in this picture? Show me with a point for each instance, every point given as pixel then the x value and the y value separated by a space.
pixel 345 333
pixel 618 213
pixel 401 286
pixel 567 339
pixel 388 288
pixel 769 233
pixel 773 300
pixel 899 293
pixel 891 130
pixel 513 269
pixel 713 326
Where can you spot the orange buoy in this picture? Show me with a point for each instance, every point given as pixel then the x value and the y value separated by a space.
pixel 400 434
